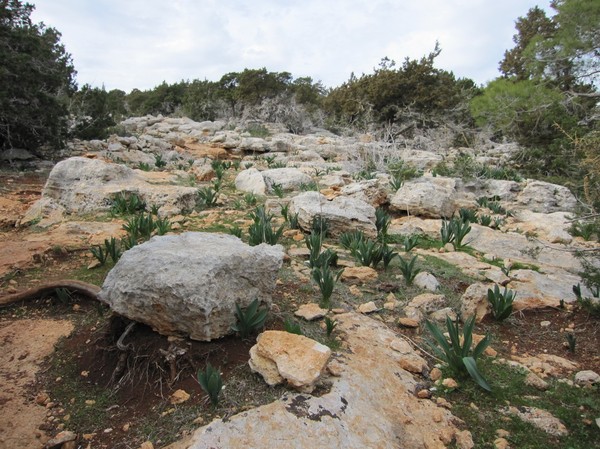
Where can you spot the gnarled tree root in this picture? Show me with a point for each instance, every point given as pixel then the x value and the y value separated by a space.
pixel 83 288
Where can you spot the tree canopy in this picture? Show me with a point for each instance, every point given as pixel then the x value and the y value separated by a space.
pixel 36 75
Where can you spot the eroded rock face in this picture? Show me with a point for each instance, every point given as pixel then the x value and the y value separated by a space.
pixel 188 284
pixel 281 356
pixel 426 197
pixel 370 405
pixel 80 185
pixel 344 214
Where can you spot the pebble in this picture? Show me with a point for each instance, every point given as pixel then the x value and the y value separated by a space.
pixel 545 323
pixel 450 383
pixel 424 394
pixel 435 374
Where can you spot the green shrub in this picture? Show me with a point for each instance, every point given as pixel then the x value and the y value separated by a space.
pixel 330 325
pixel 457 354
pixel 501 302
pixel 350 240
pixel 159 162
pixel 368 253
pixel 468 215
pixel 292 327
pixel 320 225
pixel 211 382
pixel 126 204
pixel 326 280
pixel 410 242
pixel 207 197
pixel 408 269
pixel 249 319
pixel 454 231
pixel 261 231
pixel 382 223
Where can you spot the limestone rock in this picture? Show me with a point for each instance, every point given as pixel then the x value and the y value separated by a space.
pixel 370 191
pixel 343 213
pixel 360 274
pixel 587 378
pixel 541 419
pixel 188 284
pixel 368 307
pixel 288 178
pixel 80 185
pixel 540 196
pixel 297 359
pixel 426 281
pixel 474 301
pixel 310 312
pixel 426 197
pixel 251 180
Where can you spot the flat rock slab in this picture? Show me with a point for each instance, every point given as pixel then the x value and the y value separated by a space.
pixel 189 284
pixel 371 405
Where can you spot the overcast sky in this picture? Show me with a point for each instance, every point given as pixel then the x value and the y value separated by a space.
pixel 125 44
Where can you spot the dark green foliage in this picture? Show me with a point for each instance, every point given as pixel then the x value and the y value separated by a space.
pixel 454 231
pixel 261 231
pixel 211 382
pixel 387 254
pixel 93 111
pixel 250 319
pixel 320 225
pixel 368 253
pixel 408 269
pixel 410 242
pixel 586 229
pixel 207 197
pixel 293 221
pixel 350 240
pixel 292 327
pixel 236 230
pixel 571 341
pixel 330 325
pixel 468 215
pixel 501 302
pixel 250 199
pixel 485 220
pixel 457 354
pixel 382 223
pixel 111 248
pixel 35 75
pixel 326 280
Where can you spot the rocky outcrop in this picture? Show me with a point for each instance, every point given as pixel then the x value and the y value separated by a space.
pixel 251 180
pixel 432 197
pixel 189 284
pixel 539 196
pixel 289 179
pixel 370 404
pixel 344 214
pixel 80 185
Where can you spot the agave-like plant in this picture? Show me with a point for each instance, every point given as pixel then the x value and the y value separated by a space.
pixel 502 302
pixel 457 353
pixel 249 319
pixel 211 382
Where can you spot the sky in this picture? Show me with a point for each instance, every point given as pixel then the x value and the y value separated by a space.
pixel 126 44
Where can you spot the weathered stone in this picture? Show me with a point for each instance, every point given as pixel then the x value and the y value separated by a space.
pixel 298 359
pixel 473 302
pixel 587 378
pixel 427 302
pixel 368 307
pixel 540 196
pixel 408 322
pixel 360 274
pixel 310 312
pixel 541 419
pixel 426 281
pixel 432 197
pixel 251 180
pixel 370 191
pixel 188 284
pixel 179 397
pixel 62 437
pixel 288 178
pixel 343 213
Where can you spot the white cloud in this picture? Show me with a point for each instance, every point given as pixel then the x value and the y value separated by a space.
pixel 141 43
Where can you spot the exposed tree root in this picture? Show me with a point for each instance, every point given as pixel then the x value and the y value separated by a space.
pixel 83 288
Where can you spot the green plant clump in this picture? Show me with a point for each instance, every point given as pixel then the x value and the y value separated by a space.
pixel 250 319
pixel 211 382
pixel 501 302
pixel 457 354
pixel 261 231
pixel 408 269
pixel 326 280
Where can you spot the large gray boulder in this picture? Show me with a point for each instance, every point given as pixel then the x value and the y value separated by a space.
pixel 188 284
pixel 79 185
pixel 288 178
pixel 432 197
pixel 344 214
pixel 540 196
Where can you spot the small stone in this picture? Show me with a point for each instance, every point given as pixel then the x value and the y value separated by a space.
pixel 389 305
pixel 335 368
pixel 42 398
pixel 361 274
pixel 147 445
pixel 501 433
pixel 199 420
pixel 90 402
pixel 587 378
pixel 473 406
pixel 464 440
pixel 126 427
pixel 88 436
pixel 94 264
pixel 310 312
pixel 61 438
pixel 108 430
pixel 408 322
pixel 85 373
pixel 450 383
pixel 179 397
pixel 355 290
pixel 545 323
pixel 501 443
pixel 368 307
pixel 443 403
pixel 424 394
pixel 76 307
pixel 435 374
